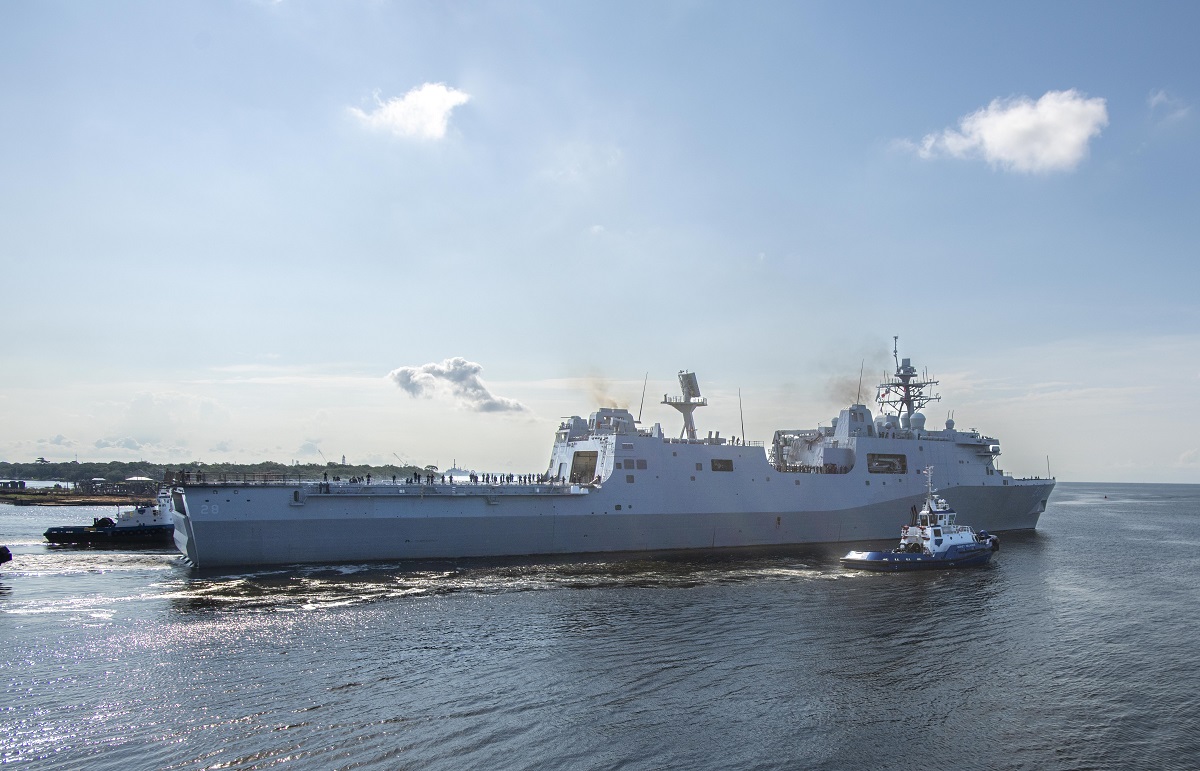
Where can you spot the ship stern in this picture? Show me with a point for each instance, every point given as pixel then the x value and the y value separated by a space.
pixel 184 541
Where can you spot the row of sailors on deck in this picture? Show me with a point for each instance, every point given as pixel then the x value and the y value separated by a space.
pixel 804 468
pixel 508 479
pixel 473 478
pixel 185 476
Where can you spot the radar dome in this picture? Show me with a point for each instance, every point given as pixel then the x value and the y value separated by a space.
pixel 918 421
pixel 950 423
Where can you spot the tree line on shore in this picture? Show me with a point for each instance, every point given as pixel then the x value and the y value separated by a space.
pixel 118 471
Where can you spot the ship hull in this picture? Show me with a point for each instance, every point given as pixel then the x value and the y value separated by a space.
pixel 219 526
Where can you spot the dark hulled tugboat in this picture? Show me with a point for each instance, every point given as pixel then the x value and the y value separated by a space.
pixel 142 526
pixel 935 542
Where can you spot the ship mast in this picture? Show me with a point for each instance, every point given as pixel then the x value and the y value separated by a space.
pixel 904 392
pixel 688 403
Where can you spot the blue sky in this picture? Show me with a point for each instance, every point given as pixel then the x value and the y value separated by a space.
pixel 246 230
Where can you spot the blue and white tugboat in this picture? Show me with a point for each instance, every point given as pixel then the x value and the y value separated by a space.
pixel 935 541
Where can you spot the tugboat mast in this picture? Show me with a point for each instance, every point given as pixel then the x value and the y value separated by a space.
pixel 901 391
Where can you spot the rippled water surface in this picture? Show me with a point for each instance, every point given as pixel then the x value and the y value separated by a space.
pixel 1075 649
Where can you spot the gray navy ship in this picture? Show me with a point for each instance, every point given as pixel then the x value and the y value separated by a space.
pixel 613 485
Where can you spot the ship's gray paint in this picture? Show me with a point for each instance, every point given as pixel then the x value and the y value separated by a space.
pixel 676 502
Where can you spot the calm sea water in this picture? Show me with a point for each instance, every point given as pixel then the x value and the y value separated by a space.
pixel 1077 648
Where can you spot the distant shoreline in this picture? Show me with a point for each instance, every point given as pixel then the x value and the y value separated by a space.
pixel 52 497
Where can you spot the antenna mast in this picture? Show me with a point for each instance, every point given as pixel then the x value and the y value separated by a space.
pixel 742 415
pixel 643 404
pixel 902 391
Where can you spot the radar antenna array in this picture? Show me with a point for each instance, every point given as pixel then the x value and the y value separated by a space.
pixel 904 392
pixel 688 403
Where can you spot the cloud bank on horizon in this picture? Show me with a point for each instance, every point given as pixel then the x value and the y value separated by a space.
pixel 1019 134
pixel 422 113
pixel 457 379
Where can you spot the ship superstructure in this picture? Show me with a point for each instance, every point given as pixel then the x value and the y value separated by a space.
pixel 613 485
pixel 893 440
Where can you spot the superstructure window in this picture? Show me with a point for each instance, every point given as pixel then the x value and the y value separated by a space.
pixel 886 463
pixel 641 464
pixel 721 464
pixel 629 463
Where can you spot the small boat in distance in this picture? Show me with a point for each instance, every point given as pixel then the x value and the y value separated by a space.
pixel 149 525
pixel 933 542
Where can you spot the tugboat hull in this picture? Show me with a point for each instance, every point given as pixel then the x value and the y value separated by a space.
pixel 143 526
pixel 146 535
pixel 890 561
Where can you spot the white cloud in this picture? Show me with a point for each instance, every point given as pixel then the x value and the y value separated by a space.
pixel 422 113
pixel 456 378
pixel 157 422
pixel 122 443
pixel 1166 109
pixel 310 447
pixel 581 163
pixel 1019 134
